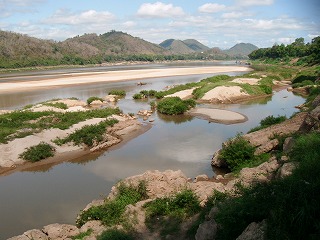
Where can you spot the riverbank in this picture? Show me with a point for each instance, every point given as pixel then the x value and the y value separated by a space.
pixel 111 76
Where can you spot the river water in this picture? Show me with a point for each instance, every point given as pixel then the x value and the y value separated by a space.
pixel 38 197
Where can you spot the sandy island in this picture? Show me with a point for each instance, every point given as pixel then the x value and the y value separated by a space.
pixel 111 76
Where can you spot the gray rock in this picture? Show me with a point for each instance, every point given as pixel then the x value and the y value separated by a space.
pixel 36 234
pixel 311 121
pixel 202 177
pixel 216 161
pixel 207 230
pixel 254 231
pixel 288 144
pixel 286 169
pixel 267 147
pixel 316 102
pixel 60 231
pixel 219 177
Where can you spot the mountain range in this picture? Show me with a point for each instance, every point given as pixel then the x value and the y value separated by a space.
pixel 18 50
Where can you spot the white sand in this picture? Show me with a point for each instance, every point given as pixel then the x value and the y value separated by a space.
pixel 224 94
pixel 251 81
pixel 218 115
pixel 185 94
pixel 94 77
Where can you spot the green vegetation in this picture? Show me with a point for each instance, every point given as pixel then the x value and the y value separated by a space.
pixel 22 123
pixel 269 121
pixel 60 105
pixel 111 212
pixel 175 89
pixel 82 235
pixel 91 99
pixel 89 134
pixel 138 96
pixel 143 94
pixel 166 214
pixel 236 152
pixel 174 105
pixel 121 93
pixel 115 234
pixel 305 53
pixel 38 152
pixel 290 205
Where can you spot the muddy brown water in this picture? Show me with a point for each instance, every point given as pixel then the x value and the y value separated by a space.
pixel 56 193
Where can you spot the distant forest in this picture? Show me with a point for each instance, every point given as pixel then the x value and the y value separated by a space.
pixel 303 53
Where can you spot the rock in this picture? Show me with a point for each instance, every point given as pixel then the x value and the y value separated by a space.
pixel 216 161
pixel 284 158
pixel 289 89
pixel 60 231
pixel 311 121
pixel 288 144
pixel 95 225
pixel 254 231
pixel 286 169
pixel 111 98
pixel 20 237
pixel 202 177
pixel 96 102
pixel 316 102
pixel 205 189
pixel 207 230
pixel 219 177
pixel 36 234
pixel 267 147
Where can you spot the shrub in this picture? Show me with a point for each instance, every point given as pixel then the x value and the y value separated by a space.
pixel 237 151
pixel 38 152
pixel 138 96
pixel 303 84
pixel 114 234
pixel 121 93
pixel 91 99
pixel 168 213
pixel 174 105
pixel 111 212
pixel 269 121
pixel 160 94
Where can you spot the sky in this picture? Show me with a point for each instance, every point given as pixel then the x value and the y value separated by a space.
pixel 214 23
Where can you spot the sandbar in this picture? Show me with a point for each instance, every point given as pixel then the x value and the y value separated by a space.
pixel 111 76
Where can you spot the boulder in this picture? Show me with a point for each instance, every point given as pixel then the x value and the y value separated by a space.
pixel 316 102
pixel 267 147
pixel 311 121
pixel 288 144
pixel 95 225
pixel 254 231
pixel 217 162
pixel 111 98
pixel 36 234
pixel 202 177
pixel 286 169
pixel 60 231
pixel 207 230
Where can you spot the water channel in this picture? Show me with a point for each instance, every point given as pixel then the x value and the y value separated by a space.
pixel 56 193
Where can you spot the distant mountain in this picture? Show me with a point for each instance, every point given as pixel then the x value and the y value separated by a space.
pixel 184 47
pixel 241 50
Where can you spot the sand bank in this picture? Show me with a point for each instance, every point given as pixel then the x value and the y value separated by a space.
pixel 95 77
pixel 218 115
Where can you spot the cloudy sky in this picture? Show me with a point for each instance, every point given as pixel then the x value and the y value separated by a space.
pixel 220 23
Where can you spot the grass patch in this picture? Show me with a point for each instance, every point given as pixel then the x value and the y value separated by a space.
pixel 174 105
pixel 38 152
pixel 166 214
pixel 91 99
pixel 88 134
pixel 268 121
pixel 121 93
pixel 114 234
pixel 60 105
pixel 111 212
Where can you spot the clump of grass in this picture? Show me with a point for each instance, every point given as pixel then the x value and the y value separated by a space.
pixel 82 235
pixel 91 99
pixel 236 152
pixel 38 152
pixel 138 96
pixel 88 134
pixel 168 213
pixel 111 212
pixel 121 93
pixel 60 105
pixel 115 234
pixel 174 105
pixel 268 121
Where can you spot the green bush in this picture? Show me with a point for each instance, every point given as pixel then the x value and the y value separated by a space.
pixel 236 152
pixel 303 84
pixel 216 78
pixel 114 234
pixel 88 134
pixel 91 99
pixel 111 212
pixel 38 152
pixel 138 96
pixel 160 94
pixel 168 213
pixel 174 105
pixel 121 93
pixel 269 121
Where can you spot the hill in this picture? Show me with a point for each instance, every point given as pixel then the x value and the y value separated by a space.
pixel 184 47
pixel 241 50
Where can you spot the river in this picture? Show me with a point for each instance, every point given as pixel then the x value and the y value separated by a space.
pixel 56 193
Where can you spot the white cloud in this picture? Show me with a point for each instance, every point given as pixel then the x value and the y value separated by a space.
pixel 129 24
pixel 211 8
pixel 88 17
pixel 159 10
pixel 11 7
pixel 286 40
pixel 254 2
pixel 234 15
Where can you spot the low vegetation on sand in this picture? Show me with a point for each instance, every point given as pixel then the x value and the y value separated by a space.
pixel 120 93
pixel 174 105
pixel 91 99
pixel 38 152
